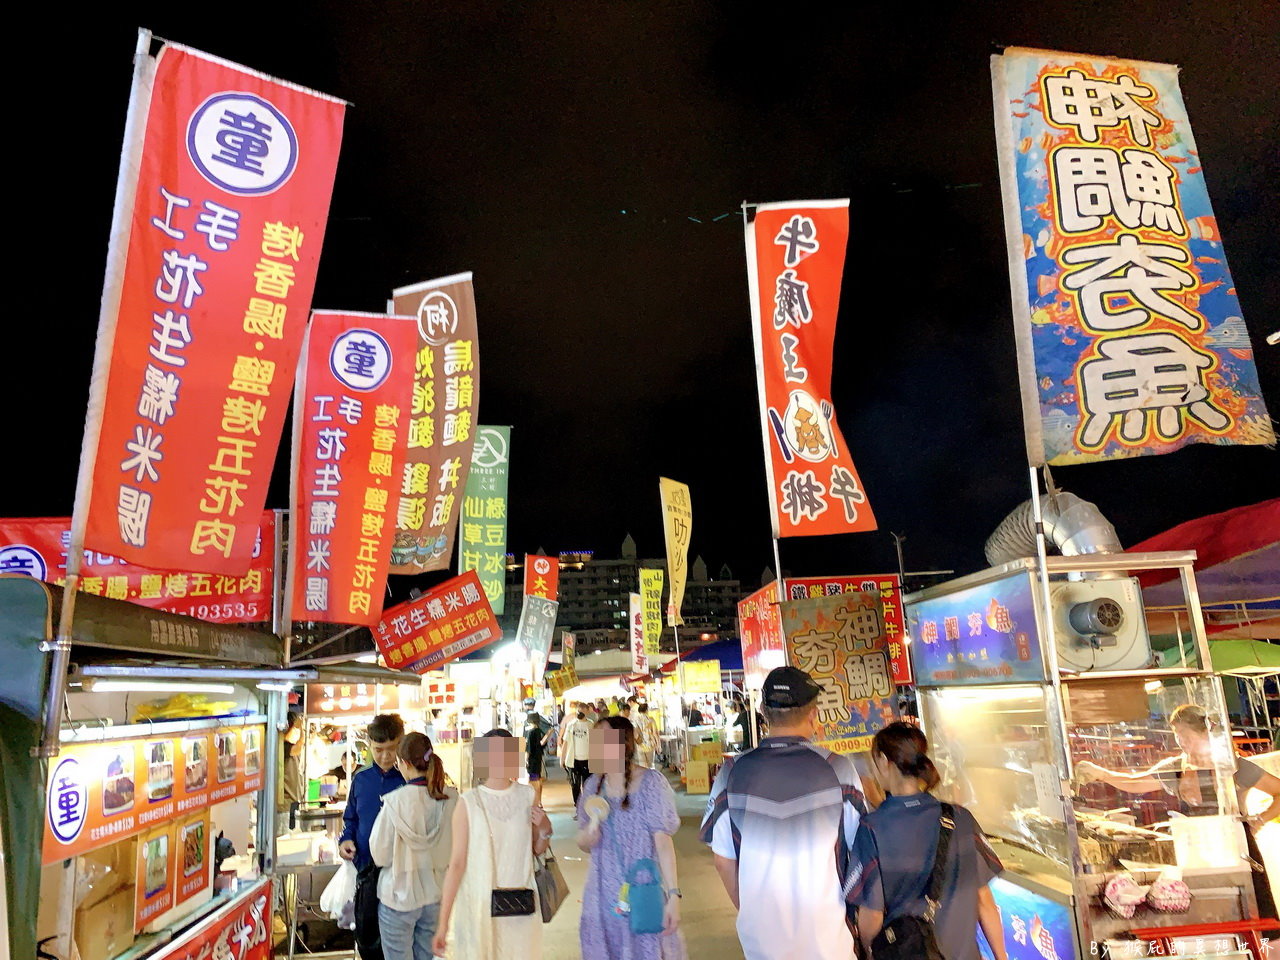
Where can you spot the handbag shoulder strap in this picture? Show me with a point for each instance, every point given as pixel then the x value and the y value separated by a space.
pixel 946 826
pixel 488 828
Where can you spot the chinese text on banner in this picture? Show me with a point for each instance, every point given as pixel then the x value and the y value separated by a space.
pixel 839 640
pixel 541 576
pixel 484 514
pixel 795 257
pixel 445 623
pixel 677 526
pixel 635 634
pixel 38 546
pixel 651 602
pixel 195 366
pixel 350 426
pixel 446 396
pixel 1129 332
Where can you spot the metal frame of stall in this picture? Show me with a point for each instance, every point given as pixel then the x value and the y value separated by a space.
pixel 1040 570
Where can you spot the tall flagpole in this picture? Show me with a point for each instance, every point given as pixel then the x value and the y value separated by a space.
pixel 113 282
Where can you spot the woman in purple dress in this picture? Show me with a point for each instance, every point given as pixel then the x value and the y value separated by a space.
pixel 641 820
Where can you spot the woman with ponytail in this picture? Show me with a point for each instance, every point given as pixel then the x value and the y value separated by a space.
pixel 639 825
pixel 411 842
pixel 895 848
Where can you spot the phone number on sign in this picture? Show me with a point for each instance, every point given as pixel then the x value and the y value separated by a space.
pixel 221 612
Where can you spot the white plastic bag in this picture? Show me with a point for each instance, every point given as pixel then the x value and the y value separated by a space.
pixel 339 896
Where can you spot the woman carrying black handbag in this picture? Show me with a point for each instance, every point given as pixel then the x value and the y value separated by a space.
pixel 920 868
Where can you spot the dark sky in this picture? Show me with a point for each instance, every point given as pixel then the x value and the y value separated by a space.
pixel 561 152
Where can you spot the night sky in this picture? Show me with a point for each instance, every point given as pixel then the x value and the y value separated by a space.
pixel 576 157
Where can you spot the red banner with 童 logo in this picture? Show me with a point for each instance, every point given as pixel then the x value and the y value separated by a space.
pixel 350 433
pixel 219 228
pixel 795 258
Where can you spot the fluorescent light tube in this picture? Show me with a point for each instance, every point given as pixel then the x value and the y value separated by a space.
pixel 100 685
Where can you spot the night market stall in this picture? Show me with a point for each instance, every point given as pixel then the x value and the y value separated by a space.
pixel 1073 729
pixel 156 812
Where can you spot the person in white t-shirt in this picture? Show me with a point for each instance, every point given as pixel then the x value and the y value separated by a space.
pixel 575 751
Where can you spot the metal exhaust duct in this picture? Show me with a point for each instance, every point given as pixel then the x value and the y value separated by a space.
pixel 1073 526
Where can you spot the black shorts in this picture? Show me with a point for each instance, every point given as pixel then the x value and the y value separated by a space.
pixel 535 766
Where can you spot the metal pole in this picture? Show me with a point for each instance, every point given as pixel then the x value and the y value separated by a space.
pixel 782 596
pixel 126 187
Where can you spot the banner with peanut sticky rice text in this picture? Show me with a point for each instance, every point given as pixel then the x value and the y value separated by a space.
pixel 37 547
pixel 795 259
pixel 204 310
pixel 541 576
pixel 350 430
pixel 1130 336
pixel 484 514
pixel 651 608
pixel 677 528
pixel 446 397
pixel 839 640
pixel 635 634
pixel 447 622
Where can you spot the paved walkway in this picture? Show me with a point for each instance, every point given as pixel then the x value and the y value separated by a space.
pixel 707 915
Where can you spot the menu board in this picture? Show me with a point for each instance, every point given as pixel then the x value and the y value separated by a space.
pixel 361 699
pixel 99 793
pixel 153 896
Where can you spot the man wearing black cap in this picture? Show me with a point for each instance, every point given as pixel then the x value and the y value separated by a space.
pixel 780 820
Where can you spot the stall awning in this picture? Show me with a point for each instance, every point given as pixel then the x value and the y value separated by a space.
pixel 126 627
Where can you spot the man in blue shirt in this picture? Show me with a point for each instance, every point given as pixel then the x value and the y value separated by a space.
pixel 364 802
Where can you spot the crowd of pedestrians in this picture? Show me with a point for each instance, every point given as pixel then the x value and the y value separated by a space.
pixel 811 870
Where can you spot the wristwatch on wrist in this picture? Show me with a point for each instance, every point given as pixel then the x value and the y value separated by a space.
pixel 675 892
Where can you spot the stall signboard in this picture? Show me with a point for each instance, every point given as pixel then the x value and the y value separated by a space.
pixel 561 680
pixel 484 514
pixel 1129 331
pixel 840 641
pixel 760 630
pixel 541 577
pixel 193 859
pixel 700 676
pixel 534 632
pixel 360 699
pixel 446 622
pixel 795 261
pixel 677 529
pixel 982 634
pixel 439 692
pixel 350 428
pixel 37 547
pixel 100 793
pixel 226 186
pixel 154 889
pixel 651 607
pixel 442 424
pixel 1035 927
pixel 635 634
pixel 568 650
pixel 888 586
pixel 242 933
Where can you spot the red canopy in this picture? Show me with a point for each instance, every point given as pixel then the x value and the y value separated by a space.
pixel 1217 538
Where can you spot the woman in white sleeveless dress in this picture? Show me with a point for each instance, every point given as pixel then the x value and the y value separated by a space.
pixel 497 830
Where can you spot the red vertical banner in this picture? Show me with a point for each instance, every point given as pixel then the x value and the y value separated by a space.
pixel 541 577
pixel 224 227
pixel 795 258
pixel 350 433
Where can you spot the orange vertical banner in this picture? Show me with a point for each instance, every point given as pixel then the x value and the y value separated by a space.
pixel 224 228
pixel 351 429
pixel 795 258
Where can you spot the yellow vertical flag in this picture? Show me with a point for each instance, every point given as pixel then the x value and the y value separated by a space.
pixel 651 606
pixel 677 525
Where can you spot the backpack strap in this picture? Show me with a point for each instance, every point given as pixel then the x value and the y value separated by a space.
pixel 933 893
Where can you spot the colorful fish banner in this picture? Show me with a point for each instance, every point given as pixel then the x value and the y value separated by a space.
pixel 484 514
pixel 840 641
pixel 1129 332
pixel 446 398
pixel 350 430
pixel 220 217
pixel 795 259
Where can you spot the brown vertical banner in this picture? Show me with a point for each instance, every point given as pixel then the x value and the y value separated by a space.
pixel 446 397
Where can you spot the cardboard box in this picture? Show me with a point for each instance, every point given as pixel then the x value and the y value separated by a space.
pixel 105 929
pixel 106 870
pixel 697 776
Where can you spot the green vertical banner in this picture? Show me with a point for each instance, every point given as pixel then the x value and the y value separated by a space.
pixel 484 514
